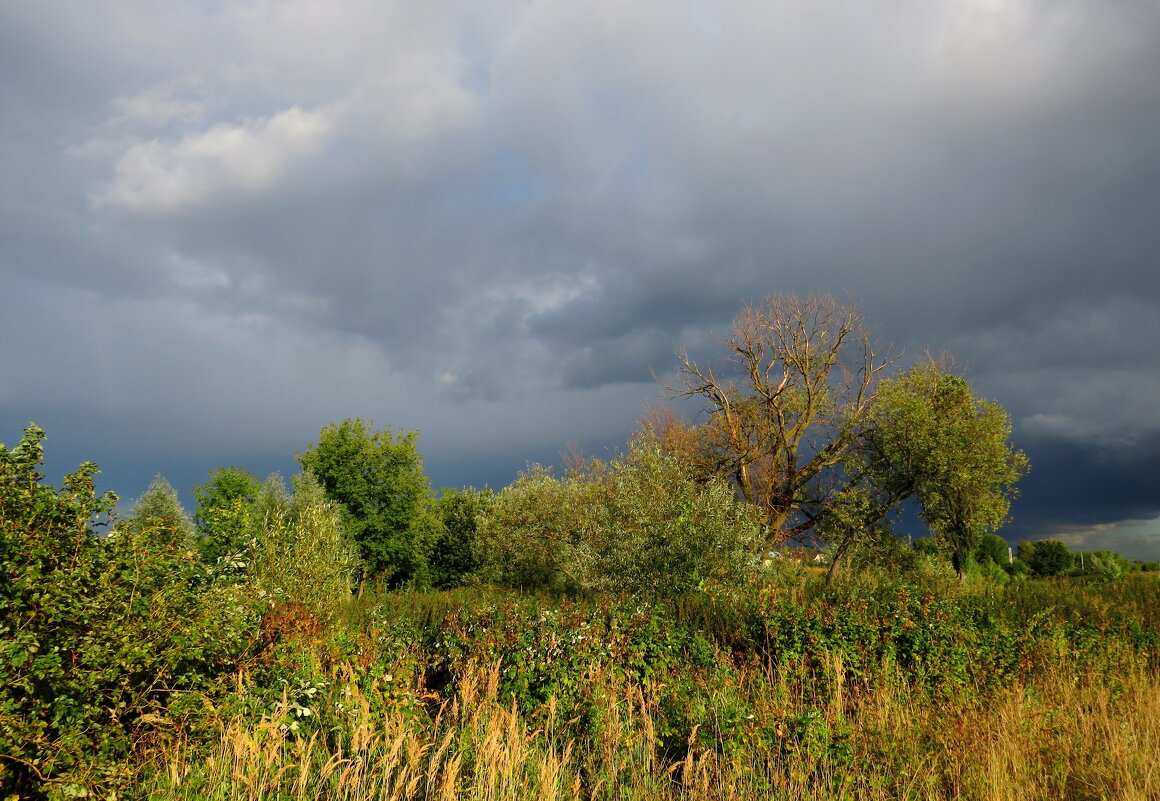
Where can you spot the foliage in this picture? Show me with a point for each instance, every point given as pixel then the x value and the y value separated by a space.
pixel 992 548
pixel 989 571
pixel 786 405
pixel 656 531
pixel 301 554
pixel 455 552
pixel 878 687
pixel 159 515
pixel 377 479
pixel 224 514
pixel 1046 557
pixel 638 523
pixel 1103 566
pixel 528 538
pixel 799 424
pixel 930 438
pixel 851 522
pixel 105 642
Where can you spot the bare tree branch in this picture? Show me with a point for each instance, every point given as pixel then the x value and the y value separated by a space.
pixel 786 403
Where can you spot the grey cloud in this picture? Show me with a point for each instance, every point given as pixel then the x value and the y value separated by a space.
pixel 254 218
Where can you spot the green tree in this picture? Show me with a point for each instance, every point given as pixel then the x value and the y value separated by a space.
pixel 455 551
pixel 1025 551
pixel 1048 558
pixel 377 479
pixel 159 515
pixel 786 406
pixel 225 511
pixel 992 548
pixel 852 523
pixel 930 438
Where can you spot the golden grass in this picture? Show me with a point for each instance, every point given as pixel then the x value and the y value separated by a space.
pixel 1067 736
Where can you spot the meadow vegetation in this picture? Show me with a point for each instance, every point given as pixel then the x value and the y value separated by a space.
pixel 635 627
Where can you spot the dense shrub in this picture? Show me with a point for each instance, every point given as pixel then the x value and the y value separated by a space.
pixel 637 524
pixel 105 642
pixel 224 516
pixel 455 551
pixel 301 554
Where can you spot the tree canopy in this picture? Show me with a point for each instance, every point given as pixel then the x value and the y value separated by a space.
pixel 930 438
pixel 786 404
pixel 224 514
pixel 377 479
pixel 802 420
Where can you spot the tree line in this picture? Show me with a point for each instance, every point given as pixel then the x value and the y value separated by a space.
pixel 806 432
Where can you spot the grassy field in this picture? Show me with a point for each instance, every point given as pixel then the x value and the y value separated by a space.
pixel 875 688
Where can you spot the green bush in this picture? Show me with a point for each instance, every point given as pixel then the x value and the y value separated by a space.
pixel 105 642
pixel 655 531
pixel 529 537
pixel 637 524
pixel 301 553
pixel 455 552
pixel 224 516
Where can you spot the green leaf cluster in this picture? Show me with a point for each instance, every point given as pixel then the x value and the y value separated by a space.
pixel 930 438
pixel 98 634
pixel 383 495
pixel 224 515
pixel 454 556
pixel 638 523
pixel 301 554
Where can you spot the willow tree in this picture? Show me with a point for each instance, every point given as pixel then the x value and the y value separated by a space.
pixel 930 438
pixel 785 405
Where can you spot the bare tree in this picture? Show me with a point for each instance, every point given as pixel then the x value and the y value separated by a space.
pixel 785 405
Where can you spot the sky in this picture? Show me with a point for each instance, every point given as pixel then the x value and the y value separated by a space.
pixel 226 223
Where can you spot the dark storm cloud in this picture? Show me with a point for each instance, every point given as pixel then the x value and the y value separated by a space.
pixel 228 223
pixel 1077 485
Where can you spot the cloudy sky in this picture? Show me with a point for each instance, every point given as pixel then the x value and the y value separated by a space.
pixel 225 223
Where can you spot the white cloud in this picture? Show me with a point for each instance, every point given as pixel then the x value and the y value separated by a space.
pixel 156 107
pixel 158 178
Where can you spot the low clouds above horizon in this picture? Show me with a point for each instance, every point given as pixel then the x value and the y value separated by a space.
pixel 224 224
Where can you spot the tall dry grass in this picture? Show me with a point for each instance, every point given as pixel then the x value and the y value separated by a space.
pixel 1066 736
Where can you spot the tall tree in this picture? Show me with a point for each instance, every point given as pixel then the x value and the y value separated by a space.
pixel 225 511
pixel 930 438
pixel 377 479
pixel 785 405
pixel 1049 558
